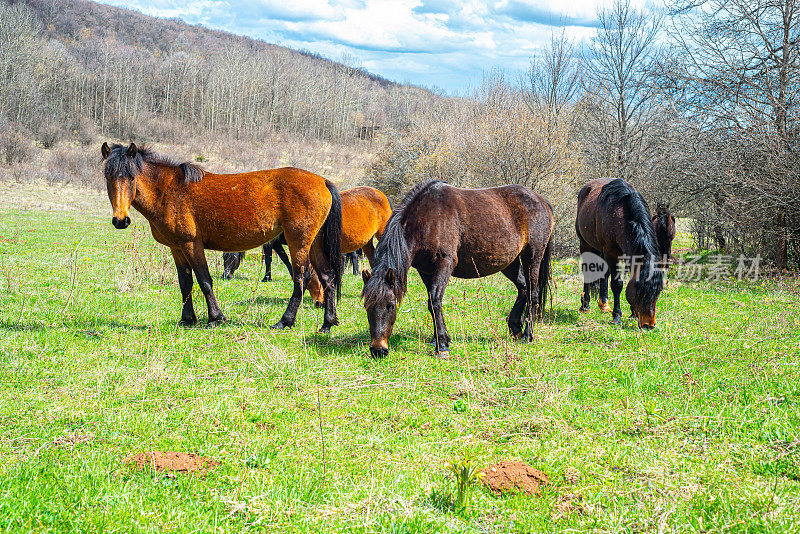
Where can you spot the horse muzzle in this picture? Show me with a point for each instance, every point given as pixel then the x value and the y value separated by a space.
pixel 378 352
pixel 121 224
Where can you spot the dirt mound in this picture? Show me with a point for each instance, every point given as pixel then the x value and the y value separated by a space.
pixel 173 462
pixel 514 476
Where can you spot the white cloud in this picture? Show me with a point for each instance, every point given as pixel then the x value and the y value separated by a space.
pixel 448 43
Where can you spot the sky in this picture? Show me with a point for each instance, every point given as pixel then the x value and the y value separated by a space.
pixel 444 44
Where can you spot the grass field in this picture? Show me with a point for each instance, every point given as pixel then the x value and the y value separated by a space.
pixel 694 426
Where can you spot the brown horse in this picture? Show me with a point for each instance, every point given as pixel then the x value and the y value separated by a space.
pixel 664 226
pixel 614 222
pixel 445 231
pixel 365 212
pixel 190 210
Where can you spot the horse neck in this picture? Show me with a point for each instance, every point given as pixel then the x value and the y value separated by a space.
pixel 150 189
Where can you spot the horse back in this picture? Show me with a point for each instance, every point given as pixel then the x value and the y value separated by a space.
pixel 483 229
pixel 603 227
pixel 241 211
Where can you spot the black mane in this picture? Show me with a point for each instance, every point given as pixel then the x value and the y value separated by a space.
pixel 642 234
pixel 119 163
pixel 392 253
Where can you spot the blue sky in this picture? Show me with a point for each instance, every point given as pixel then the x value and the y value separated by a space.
pixel 436 43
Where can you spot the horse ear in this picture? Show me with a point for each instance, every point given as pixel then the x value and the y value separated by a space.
pixel 132 150
pixel 104 150
pixel 390 277
pixel 366 275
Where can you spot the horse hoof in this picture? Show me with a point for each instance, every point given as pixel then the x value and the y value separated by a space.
pixel 267 279
pixel 442 354
pixel 187 323
pixel 216 322
pixel 617 320
pixel 325 330
pixel 584 309
pixel 604 307
pixel 280 326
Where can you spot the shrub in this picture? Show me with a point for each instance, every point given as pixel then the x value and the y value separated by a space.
pixel 14 144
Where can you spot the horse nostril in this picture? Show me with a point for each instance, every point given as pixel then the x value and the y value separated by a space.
pixel 120 224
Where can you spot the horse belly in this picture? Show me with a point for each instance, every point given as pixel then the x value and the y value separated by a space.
pixel 480 263
pixel 240 229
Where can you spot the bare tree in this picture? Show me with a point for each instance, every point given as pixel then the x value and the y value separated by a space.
pixel 735 75
pixel 620 95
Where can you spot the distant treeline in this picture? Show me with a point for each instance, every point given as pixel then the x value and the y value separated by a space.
pixel 74 65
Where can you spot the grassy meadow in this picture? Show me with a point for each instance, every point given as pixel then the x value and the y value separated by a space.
pixel 694 426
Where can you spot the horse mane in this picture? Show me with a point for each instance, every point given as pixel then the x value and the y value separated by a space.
pixel 119 163
pixel 642 234
pixel 392 252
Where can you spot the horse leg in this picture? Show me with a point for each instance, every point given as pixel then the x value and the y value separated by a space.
pixel 369 251
pixel 324 272
pixel 266 251
pixel 602 294
pixel 514 273
pixel 354 259
pixel 438 283
pixel 188 318
pixel 196 255
pixel 530 269
pixel 299 269
pixel 427 280
pixel 587 288
pixel 615 278
pixel 278 248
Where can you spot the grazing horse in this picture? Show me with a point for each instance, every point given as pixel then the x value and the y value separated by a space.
pixel 445 231
pixel 664 226
pixel 365 212
pixel 190 210
pixel 232 260
pixel 614 222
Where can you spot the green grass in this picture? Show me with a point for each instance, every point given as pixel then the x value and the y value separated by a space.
pixel 691 427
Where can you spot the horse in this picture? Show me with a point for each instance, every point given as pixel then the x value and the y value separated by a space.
pixel 365 212
pixel 664 226
pixel 232 260
pixel 614 222
pixel 354 258
pixel 445 231
pixel 190 209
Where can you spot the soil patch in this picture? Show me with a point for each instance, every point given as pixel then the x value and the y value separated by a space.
pixel 171 462
pixel 513 476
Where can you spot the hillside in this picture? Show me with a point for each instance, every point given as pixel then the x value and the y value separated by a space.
pixel 79 66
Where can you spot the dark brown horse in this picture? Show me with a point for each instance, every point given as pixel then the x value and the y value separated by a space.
pixel 445 231
pixel 664 226
pixel 190 210
pixel 614 222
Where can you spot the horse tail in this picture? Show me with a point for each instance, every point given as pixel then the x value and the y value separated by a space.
pixel 332 237
pixel 544 275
